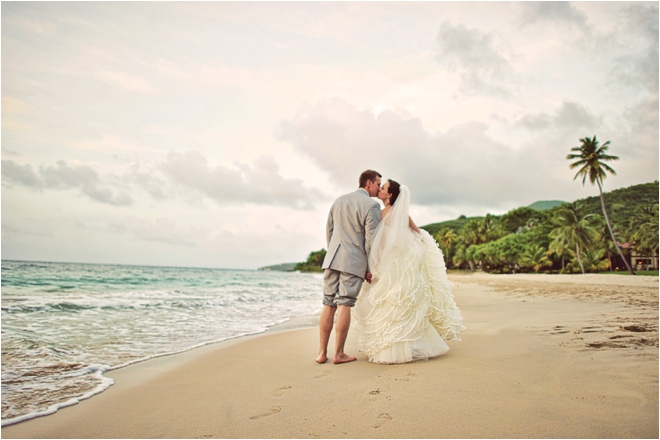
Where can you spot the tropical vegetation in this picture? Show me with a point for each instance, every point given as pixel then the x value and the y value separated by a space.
pixel 569 238
pixel 566 238
pixel 313 263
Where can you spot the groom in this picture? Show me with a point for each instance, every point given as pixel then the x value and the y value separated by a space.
pixel 351 226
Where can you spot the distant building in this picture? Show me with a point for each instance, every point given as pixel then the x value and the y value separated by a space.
pixel 644 262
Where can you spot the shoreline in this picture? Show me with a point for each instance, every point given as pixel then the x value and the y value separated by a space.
pixel 530 357
pixel 106 374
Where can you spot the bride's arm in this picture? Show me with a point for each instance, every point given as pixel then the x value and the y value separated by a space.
pixel 412 225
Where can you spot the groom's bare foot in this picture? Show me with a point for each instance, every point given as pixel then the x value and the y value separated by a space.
pixel 343 358
pixel 321 359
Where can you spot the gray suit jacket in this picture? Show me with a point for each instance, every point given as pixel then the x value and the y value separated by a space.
pixel 351 226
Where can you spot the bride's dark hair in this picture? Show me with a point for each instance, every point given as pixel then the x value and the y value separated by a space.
pixel 393 190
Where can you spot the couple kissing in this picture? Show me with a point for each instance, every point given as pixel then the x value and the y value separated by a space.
pixel 405 311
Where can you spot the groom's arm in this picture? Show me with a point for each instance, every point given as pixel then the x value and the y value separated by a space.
pixel 329 227
pixel 370 225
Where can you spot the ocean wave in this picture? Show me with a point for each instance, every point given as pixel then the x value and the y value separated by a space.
pixel 94 370
pixel 51 340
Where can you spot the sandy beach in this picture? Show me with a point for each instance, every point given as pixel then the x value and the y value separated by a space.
pixel 561 356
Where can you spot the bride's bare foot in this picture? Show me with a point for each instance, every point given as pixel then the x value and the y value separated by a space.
pixel 343 358
pixel 321 359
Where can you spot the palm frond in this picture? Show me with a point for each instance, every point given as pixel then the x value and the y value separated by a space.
pixel 608 168
pixel 578 163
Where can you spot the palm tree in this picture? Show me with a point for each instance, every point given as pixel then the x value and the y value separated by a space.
pixel 446 239
pixel 471 233
pixel 460 257
pixel 595 261
pixel 489 228
pixel 535 257
pixel 559 244
pixel 561 248
pixel 573 230
pixel 608 244
pixel 591 160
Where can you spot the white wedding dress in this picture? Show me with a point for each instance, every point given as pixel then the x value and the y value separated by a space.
pixel 408 310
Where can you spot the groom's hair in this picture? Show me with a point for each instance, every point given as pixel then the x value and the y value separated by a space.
pixel 368 175
pixel 394 189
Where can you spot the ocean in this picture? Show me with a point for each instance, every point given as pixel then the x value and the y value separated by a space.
pixel 65 324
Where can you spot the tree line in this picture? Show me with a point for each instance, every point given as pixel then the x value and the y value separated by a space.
pixel 528 240
pixel 566 239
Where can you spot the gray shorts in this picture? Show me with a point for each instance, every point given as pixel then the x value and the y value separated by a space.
pixel 340 288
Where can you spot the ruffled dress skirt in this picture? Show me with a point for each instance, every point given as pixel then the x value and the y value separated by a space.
pixel 408 311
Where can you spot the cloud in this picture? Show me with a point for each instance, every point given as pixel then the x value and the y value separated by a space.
pixel 62 177
pixel 19 175
pixel 555 12
pixel 482 66
pixel 570 116
pixel 643 117
pixel 640 136
pixel 260 183
pixel 181 173
pixel 637 66
pixel 461 166
pixel 147 177
pixel 84 178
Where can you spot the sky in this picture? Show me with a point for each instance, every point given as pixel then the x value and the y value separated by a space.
pixel 218 134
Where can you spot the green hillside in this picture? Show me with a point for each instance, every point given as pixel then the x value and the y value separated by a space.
pixel 621 205
pixel 544 205
pixel 454 225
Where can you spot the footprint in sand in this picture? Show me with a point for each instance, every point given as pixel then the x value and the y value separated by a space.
pixel 409 375
pixel 280 391
pixel 606 345
pixel 273 410
pixel 325 373
pixel 382 419
pixel 591 329
pixel 559 329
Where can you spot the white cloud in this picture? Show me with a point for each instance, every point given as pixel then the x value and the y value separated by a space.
pixel 463 165
pixel 63 177
pixel 260 183
pixel 179 175
pixel 571 116
pixel 637 64
pixel 535 12
pixel 483 64
pixel 13 173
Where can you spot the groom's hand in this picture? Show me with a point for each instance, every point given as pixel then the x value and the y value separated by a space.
pixel 367 277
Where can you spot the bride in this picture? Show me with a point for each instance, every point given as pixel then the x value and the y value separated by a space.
pixel 407 311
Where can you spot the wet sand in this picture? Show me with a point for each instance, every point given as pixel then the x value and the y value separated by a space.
pixel 543 356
